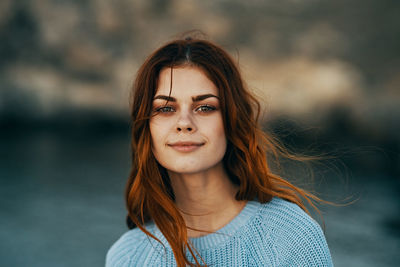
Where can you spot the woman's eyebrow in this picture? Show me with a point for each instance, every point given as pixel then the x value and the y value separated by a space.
pixel 165 97
pixel 202 97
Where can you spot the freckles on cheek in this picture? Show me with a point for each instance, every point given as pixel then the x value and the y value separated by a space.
pixel 218 129
pixel 158 137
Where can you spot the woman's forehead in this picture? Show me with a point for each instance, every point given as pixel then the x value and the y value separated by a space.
pixel 183 81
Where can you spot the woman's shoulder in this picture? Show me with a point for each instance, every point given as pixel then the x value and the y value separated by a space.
pixel 130 245
pixel 283 213
pixel 295 234
pixel 287 218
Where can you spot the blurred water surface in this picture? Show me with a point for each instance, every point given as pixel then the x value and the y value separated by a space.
pixel 62 199
pixel 62 204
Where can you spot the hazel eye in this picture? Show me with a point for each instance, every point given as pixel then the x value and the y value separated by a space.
pixel 164 109
pixel 205 108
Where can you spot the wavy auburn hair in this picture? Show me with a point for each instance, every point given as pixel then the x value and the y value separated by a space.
pixel 149 195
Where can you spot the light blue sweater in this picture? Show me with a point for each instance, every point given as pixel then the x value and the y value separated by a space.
pixel 277 233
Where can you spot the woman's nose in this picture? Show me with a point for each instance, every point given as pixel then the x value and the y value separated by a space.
pixel 185 123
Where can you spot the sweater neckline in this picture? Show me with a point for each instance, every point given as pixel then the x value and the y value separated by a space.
pixel 227 231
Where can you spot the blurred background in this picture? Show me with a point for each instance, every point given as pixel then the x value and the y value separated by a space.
pixel 327 74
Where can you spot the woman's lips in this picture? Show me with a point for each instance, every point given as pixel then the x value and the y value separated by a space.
pixel 185 146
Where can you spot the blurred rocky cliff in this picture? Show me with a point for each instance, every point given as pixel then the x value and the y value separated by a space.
pixel 334 65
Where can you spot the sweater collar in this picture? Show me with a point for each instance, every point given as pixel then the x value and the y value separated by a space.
pixel 229 230
pixel 220 236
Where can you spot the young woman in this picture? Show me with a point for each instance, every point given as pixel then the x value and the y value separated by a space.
pixel 200 191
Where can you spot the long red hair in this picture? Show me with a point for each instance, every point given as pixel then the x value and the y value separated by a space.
pixel 149 195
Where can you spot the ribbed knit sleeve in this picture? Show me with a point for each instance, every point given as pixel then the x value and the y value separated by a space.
pixel 133 248
pixel 122 252
pixel 298 239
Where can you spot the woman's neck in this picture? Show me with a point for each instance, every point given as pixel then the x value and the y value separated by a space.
pixel 206 200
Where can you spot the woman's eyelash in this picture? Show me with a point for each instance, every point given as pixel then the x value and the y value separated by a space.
pixel 205 108
pixel 164 109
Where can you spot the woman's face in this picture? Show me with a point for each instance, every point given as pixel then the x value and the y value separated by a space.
pixel 186 127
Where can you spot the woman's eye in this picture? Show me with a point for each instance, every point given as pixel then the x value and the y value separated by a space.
pixel 164 109
pixel 205 108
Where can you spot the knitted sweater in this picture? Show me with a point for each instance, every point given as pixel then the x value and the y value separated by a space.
pixel 277 233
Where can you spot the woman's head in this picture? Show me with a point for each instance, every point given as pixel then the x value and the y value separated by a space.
pixel 235 104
